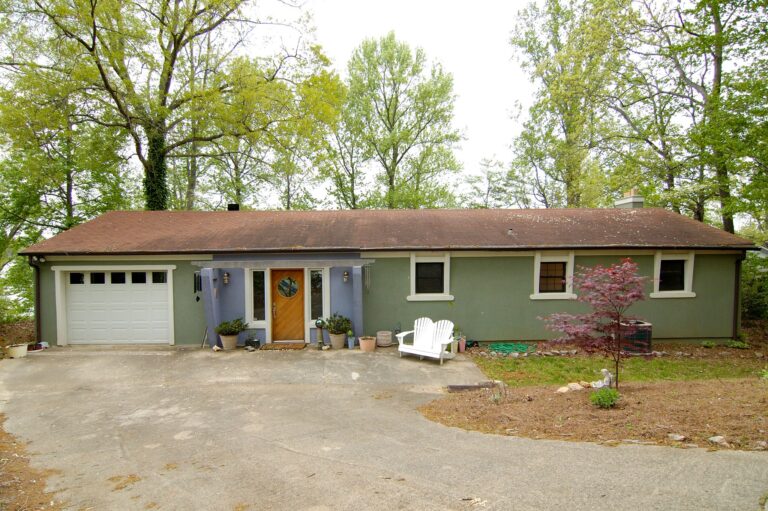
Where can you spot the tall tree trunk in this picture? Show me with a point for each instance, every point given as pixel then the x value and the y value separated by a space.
pixel 69 202
pixel 189 197
pixel 155 170
pixel 69 220
pixel 714 106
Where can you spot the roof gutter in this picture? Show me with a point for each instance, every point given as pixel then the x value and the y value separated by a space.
pixel 292 250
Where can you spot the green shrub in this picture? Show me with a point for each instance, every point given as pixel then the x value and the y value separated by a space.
pixel 338 324
pixel 708 344
pixel 233 327
pixel 605 397
pixel 739 345
pixel 764 374
pixel 754 287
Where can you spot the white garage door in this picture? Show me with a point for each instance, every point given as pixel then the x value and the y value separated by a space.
pixel 117 307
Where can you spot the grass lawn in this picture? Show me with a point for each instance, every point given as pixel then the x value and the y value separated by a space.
pixel 708 392
pixel 523 372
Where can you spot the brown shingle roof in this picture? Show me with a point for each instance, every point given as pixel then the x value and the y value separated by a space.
pixel 174 232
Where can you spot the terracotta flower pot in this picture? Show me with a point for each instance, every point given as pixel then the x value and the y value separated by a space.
pixel 338 340
pixel 367 343
pixel 229 342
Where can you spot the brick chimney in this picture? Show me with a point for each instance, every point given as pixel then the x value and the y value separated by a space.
pixel 631 200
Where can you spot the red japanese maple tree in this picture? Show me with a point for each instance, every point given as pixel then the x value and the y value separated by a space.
pixel 610 291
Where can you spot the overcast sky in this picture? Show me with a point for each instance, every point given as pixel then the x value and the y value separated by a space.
pixel 469 39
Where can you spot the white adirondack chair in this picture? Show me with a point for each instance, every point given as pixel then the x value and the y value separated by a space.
pixel 430 339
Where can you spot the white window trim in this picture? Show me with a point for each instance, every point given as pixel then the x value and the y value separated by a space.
pixel 569 260
pixel 249 300
pixel 687 292
pixel 60 292
pixel 446 295
pixel 307 299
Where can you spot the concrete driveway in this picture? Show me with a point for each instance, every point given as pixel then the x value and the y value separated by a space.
pixel 306 430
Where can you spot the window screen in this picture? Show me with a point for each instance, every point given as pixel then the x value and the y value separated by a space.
pixel 259 297
pixel 672 275
pixel 552 277
pixel 429 277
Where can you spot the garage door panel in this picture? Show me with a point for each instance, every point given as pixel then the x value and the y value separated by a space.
pixel 120 313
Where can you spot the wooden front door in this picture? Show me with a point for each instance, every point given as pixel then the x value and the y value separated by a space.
pixel 287 305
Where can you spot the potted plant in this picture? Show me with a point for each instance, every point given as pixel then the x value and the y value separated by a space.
pixel 338 326
pixel 229 331
pixel 14 342
pixel 350 339
pixel 462 340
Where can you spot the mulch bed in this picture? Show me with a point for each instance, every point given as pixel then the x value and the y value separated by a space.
pixel 22 488
pixel 283 346
pixel 647 413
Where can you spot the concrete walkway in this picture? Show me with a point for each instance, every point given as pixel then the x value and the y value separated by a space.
pixel 306 430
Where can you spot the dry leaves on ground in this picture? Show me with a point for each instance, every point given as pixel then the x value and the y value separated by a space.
pixel 22 488
pixel 647 412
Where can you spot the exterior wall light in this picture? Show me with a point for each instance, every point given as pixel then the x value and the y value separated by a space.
pixel 226 278
pixel 346 276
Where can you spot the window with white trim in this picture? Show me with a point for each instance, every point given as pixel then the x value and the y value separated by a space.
pixel 256 298
pixel 316 295
pixel 553 276
pixel 430 277
pixel 259 296
pixel 673 275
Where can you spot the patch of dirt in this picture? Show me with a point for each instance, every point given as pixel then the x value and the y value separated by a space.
pixel 22 488
pixel 647 412
pixel 123 482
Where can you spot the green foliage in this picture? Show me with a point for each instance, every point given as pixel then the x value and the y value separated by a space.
pixel 667 99
pixel 400 112
pixel 338 324
pixel 233 327
pixel 754 287
pixel 571 54
pixel 605 398
pixel 764 374
pixel 738 345
pixel 708 344
pixel 164 75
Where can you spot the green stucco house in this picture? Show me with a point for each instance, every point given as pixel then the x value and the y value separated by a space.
pixel 162 277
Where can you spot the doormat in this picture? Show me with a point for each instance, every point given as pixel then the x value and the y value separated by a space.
pixel 284 346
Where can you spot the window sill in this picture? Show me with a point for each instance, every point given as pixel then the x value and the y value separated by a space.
pixel 429 298
pixel 673 294
pixel 553 296
pixel 258 324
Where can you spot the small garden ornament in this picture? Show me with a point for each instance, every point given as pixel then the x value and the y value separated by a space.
pixel 606 382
